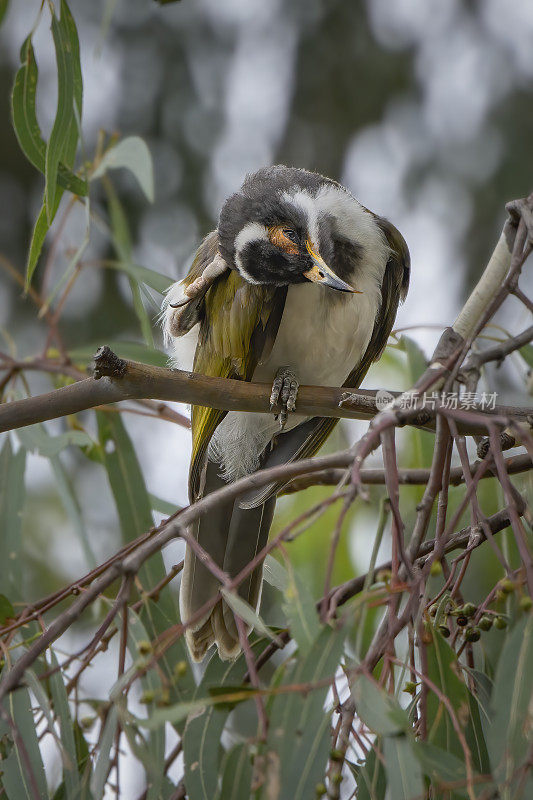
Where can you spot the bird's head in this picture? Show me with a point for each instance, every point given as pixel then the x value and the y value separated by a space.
pixel 278 230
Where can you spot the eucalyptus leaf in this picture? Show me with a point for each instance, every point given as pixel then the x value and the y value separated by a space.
pixel 404 774
pixel 236 774
pixel 300 610
pixel 511 708
pixel 379 710
pixel 202 750
pixel 17 774
pixel 64 135
pixel 101 768
pixel 275 574
pixel 245 611
pixel 299 739
pixel 12 495
pixel 131 153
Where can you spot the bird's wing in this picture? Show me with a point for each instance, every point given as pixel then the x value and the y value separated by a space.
pixel 238 323
pixel 305 440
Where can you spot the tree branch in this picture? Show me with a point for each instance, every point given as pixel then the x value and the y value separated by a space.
pixel 118 379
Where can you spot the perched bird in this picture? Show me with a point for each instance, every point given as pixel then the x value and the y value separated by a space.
pixel 299 283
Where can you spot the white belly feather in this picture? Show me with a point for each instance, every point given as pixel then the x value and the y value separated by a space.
pixel 322 338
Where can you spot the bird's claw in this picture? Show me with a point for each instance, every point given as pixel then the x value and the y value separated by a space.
pixel 284 393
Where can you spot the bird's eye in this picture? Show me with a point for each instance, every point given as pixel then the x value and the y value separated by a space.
pixel 291 234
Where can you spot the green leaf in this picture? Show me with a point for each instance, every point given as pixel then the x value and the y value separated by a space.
pixel 155 280
pixel 404 775
pixel 35 439
pixel 6 609
pixel 236 774
pixel 527 354
pixel 3 8
pixel 122 243
pixel 444 671
pixel 201 741
pixel 133 154
pixel 245 611
pixel 150 753
pixel 379 710
pixel 71 775
pixel 16 780
pixel 163 506
pixel 299 732
pixel 134 510
pixel 101 768
pixel 372 781
pixel 301 612
pixel 275 574
pixel 64 135
pixel 40 229
pixel 441 767
pixel 25 121
pixel 511 709
pixel 12 495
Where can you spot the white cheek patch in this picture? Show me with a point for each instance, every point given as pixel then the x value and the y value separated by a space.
pixel 252 232
pixel 305 203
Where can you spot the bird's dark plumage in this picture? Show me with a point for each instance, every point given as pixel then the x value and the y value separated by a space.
pixel 283 233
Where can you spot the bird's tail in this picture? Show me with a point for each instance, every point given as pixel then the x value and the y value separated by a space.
pixel 232 536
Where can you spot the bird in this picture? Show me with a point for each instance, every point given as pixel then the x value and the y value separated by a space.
pixel 298 284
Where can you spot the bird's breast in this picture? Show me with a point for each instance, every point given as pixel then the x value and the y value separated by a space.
pixel 322 335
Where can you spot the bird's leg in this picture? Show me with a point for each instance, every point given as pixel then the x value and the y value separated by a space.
pixel 284 393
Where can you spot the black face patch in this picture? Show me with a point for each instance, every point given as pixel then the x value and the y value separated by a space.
pixel 266 263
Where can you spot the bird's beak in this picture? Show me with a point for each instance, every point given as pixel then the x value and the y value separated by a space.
pixel 321 273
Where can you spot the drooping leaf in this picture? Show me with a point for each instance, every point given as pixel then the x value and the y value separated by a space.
pixel 527 354
pixel 25 121
pixel 441 767
pixel 3 8
pixel 36 439
pixel 299 731
pixel 275 574
pixel 134 510
pixel 105 754
pixel 201 742
pixel 150 752
pixel 300 610
pixel 404 775
pixel 121 237
pixel 379 710
pixel 64 134
pixel 511 705
pixel 131 153
pixel 19 776
pixel 236 774
pixel 71 774
pixel 155 280
pixel 444 672
pixel 6 609
pixel 371 780
pixel 250 616
pixel 12 494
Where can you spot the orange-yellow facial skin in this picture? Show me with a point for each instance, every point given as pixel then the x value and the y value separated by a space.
pixel 278 238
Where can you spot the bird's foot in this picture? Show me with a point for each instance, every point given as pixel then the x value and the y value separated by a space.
pixel 284 393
